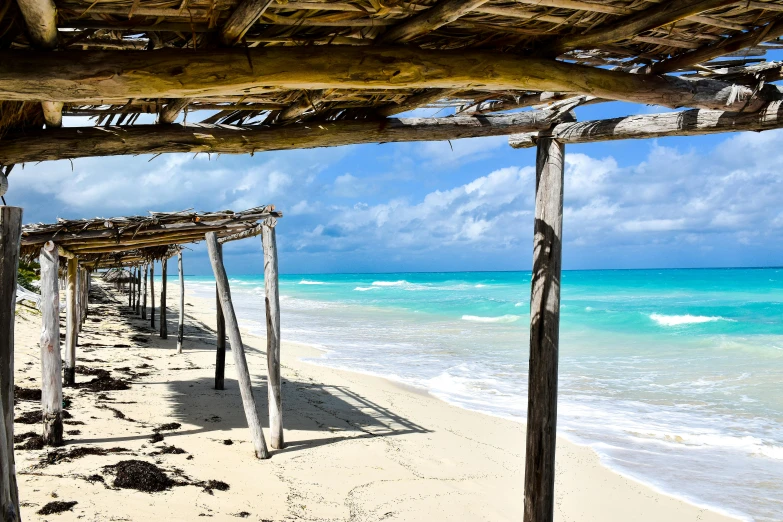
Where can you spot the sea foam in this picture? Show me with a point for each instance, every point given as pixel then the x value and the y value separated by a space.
pixel 308 282
pixel 677 320
pixel 508 318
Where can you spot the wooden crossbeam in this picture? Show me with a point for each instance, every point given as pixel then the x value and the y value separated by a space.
pixel 78 142
pixel 686 123
pixel 415 101
pixel 242 19
pixel 80 75
pixel 657 16
pixel 172 110
pixel 442 13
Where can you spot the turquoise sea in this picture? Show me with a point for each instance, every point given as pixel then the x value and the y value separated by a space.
pixel 675 377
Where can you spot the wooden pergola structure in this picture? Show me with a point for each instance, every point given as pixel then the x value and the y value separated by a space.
pixel 316 73
pixel 129 247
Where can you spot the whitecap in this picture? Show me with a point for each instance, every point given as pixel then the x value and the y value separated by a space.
pixel 307 282
pixel 677 320
pixel 508 318
pixel 365 288
pixel 519 304
pixel 402 282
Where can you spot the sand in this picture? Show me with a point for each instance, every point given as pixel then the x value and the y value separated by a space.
pixel 359 448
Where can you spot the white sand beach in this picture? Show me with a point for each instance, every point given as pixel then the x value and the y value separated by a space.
pixel 358 447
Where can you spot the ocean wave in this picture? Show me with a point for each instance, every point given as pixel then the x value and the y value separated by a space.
pixel 508 318
pixel 365 288
pixel 401 282
pixel 308 282
pixel 405 285
pixel 677 320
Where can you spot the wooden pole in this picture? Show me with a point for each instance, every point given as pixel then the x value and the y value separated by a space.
pixel 84 296
pixel 144 293
pixel 544 333
pixel 269 243
pixel 51 363
pixel 243 374
pixel 220 363
pixel 138 290
pixel 71 324
pixel 10 233
pixel 164 333
pixel 181 322
pixel 152 294
pixel 130 288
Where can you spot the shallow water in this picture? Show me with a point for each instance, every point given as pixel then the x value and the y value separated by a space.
pixel 673 376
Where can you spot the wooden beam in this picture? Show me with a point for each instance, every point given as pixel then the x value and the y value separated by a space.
pixel 71 323
pixel 164 331
pixel 181 321
pixel 75 142
pixel 544 333
pixel 272 299
pixel 69 75
pixel 442 13
pixel 242 19
pixel 172 110
pixel 51 362
pixel 220 334
pixel 662 14
pixel 10 232
pixel 597 7
pixel 770 31
pixel 693 122
pixel 53 114
pixel 415 101
pixel 237 349
pixel 308 101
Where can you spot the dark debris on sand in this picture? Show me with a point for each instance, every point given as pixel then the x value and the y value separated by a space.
pixel 140 475
pixel 212 485
pixel 168 427
pixel 102 382
pixel 58 506
pixel 35 442
pixel 30 417
pixel 22 436
pixel 57 456
pixel 156 438
pixel 27 394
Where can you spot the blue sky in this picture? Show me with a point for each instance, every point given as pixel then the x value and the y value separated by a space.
pixel 468 205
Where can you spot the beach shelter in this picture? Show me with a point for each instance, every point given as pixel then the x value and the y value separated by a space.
pixel 317 73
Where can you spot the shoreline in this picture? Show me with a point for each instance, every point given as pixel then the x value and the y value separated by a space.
pixel 358 447
pixel 321 352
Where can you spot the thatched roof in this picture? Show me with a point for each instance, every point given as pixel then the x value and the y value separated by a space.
pixel 128 241
pixel 626 35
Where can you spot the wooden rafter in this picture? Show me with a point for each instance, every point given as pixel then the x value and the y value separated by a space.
pixel 686 123
pixel 78 142
pixel 67 75
pixel 242 19
pixel 442 13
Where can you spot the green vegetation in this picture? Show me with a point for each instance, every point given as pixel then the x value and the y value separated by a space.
pixel 28 272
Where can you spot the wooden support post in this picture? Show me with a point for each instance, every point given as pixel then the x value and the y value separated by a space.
pixel 152 294
pixel 130 288
pixel 181 322
pixel 10 233
pixel 243 374
pixel 544 333
pixel 220 363
pixel 145 268
pixel 78 291
pixel 71 324
pixel 164 333
pixel 269 243
pixel 84 294
pixel 138 292
pixel 51 363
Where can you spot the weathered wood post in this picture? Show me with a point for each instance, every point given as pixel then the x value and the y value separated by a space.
pixel 83 296
pixel 164 333
pixel 138 290
pixel 152 294
pixel 220 363
pixel 544 333
pixel 243 374
pixel 51 363
pixel 71 323
pixel 269 242
pixel 10 234
pixel 130 288
pixel 181 322
pixel 145 268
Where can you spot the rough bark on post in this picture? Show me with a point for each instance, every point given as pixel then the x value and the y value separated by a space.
pixel 83 297
pixel 544 333
pixel 144 294
pixel 138 290
pixel 51 364
pixel 220 363
pixel 130 288
pixel 269 242
pixel 243 374
pixel 71 324
pixel 152 294
pixel 164 333
pixel 181 322
pixel 10 233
